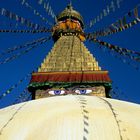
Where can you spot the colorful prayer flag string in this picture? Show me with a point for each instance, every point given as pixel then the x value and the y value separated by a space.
pixel 133 55
pixel 121 24
pixel 109 9
pixel 35 12
pixel 24 96
pixel 130 62
pixel 114 94
pixel 47 8
pixel 12 117
pixel 118 92
pixel 23 52
pixel 20 19
pixel 15 48
pixel 9 25
pixel 20 97
pixel 25 31
pixel 8 91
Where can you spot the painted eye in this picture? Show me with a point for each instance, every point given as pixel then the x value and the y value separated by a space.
pixel 83 91
pixel 56 92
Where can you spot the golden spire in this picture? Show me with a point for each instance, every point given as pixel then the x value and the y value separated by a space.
pixel 69 54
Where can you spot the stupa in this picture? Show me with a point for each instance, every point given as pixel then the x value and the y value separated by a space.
pixel 71 95
pixel 69 68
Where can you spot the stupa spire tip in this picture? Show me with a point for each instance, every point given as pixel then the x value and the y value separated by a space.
pixel 70 5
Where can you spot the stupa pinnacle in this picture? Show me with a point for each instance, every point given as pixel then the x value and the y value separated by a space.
pixel 69 66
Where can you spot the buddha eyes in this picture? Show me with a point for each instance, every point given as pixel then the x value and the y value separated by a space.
pixel 78 91
pixel 56 92
pixel 83 91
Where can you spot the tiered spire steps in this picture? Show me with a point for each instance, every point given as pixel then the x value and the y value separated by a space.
pixel 69 54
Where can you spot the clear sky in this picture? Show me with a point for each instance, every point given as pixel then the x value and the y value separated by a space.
pixel 124 76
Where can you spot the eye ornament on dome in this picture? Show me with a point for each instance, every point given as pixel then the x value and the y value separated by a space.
pixel 83 91
pixel 56 92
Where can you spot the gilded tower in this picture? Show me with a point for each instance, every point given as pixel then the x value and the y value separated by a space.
pixel 69 68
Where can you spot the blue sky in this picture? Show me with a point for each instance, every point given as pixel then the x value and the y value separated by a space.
pixel 123 75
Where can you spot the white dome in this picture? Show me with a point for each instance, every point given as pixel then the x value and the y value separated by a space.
pixel 71 117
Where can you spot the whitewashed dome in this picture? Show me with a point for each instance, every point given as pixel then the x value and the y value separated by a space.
pixel 71 117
